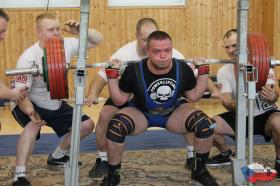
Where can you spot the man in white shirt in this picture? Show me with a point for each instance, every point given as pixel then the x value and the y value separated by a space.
pixel 39 109
pixel 266 113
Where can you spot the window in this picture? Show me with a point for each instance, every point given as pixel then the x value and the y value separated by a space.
pixel 39 3
pixel 145 3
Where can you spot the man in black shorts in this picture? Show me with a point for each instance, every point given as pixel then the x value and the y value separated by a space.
pixel 38 109
pixel 266 113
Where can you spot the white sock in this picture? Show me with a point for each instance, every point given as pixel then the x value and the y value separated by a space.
pixel 20 172
pixel 59 153
pixel 102 155
pixel 189 151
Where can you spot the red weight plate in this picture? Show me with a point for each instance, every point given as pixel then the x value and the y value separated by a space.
pixel 57 69
pixel 59 63
pixel 65 79
pixel 265 58
pixel 261 74
pixel 253 52
pixel 258 65
pixel 48 46
pixel 54 70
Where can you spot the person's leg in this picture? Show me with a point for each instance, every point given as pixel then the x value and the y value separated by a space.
pixel 225 124
pixel 62 126
pixel 272 128
pixel 105 116
pixel 87 127
pixel 189 137
pixel 25 145
pixel 128 121
pixel 190 120
pixel 101 163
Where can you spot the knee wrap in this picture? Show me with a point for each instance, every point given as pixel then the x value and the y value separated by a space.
pixel 120 126
pixel 201 124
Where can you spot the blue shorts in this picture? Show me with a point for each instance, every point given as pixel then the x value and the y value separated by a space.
pixel 156 120
pixel 59 120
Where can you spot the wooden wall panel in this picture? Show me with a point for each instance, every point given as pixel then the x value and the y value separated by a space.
pixel 196 29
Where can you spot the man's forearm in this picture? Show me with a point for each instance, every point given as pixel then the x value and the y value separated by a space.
pixel 211 86
pixel 117 96
pixel 96 86
pixel 4 91
pixel 94 37
pixel 201 85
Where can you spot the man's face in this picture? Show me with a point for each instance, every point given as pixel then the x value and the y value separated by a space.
pixel 160 53
pixel 230 45
pixel 3 28
pixel 47 29
pixel 141 37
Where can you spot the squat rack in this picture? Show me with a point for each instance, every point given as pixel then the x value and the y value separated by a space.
pixel 72 170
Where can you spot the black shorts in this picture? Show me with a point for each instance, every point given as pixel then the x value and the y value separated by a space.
pixel 259 122
pixel 59 120
pixel 110 103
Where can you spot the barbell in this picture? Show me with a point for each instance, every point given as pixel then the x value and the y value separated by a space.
pixel 54 69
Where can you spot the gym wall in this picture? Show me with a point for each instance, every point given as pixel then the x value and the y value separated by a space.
pixel 196 29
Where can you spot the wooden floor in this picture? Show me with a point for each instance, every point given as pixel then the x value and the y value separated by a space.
pixel 10 126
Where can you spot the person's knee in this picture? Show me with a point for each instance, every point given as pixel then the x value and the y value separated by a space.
pixel 200 124
pixel 87 126
pixel 119 127
pixel 273 122
pixel 32 127
pixel 106 114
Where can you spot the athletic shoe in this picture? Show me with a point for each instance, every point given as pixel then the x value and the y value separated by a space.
pixel 99 169
pixel 60 161
pixel 204 177
pixel 112 179
pixel 219 160
pixel 277 168
pixel 21 181
pixel 188 164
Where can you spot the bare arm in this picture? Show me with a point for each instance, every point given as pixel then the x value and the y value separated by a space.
pixel 95 88
pixel 118 97
pixel 215 92
pixel 94 37
pixel 227 101
pixel 4 91
pixel 15 94
pixel 197 92
pixel 270 93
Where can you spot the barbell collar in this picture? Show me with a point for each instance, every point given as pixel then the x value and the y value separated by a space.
pixel 34 70
pixel 274 62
